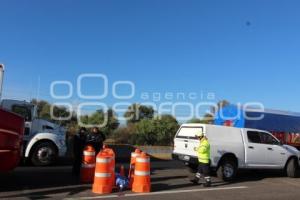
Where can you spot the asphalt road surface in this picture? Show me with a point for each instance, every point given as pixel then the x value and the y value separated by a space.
pixel 170 181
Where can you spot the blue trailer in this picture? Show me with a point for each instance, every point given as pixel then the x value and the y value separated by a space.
pixel 283 125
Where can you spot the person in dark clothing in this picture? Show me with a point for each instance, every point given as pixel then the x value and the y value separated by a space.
pixel 79 143
pixel 96 139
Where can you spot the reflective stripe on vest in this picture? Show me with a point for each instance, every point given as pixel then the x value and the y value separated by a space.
pixel 205 161
pixel 143 160
pixel 141 173
pixel 103 160
pixel 89 153
pixel 102 175
pixel 88 165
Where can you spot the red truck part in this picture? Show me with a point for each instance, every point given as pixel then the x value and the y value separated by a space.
pixel 11 137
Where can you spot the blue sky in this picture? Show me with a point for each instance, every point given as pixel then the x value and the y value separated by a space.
pixel 240 50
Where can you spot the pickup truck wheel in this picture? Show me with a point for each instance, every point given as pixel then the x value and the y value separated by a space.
pixel 227 170
pixel 292 168
pixel 44 154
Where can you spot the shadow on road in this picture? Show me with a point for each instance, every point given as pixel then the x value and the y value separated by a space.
pixel 38 182
pixel 29 177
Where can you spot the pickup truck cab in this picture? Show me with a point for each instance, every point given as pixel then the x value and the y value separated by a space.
pixel 236 148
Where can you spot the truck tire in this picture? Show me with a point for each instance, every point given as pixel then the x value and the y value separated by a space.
pixel 292 168
pixel 44 154
pixel 227 170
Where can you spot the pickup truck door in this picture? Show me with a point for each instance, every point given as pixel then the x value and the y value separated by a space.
pixel 254 151
pixel 276 155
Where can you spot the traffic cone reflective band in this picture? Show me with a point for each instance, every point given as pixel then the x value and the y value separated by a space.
pixel 88 165
pixel 134 154
pixel 141 181
pixel 103 176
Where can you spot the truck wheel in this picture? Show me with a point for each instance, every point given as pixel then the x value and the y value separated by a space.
pixel 44 154
pixel 227 170
pixel 292 168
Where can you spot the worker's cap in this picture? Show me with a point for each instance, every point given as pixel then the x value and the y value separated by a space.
pixel 199 133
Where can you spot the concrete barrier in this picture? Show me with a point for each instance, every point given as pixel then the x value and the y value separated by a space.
pixel 123 151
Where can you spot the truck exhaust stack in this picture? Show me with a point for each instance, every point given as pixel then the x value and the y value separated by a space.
pixel 1 78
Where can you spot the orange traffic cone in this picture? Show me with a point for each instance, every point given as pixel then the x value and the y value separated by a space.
pixel 134 154
pixel 103 176
pixel 141 181
pixel 111 152
pixel 88 165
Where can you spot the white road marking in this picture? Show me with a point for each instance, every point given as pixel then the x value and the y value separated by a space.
pixel 159 193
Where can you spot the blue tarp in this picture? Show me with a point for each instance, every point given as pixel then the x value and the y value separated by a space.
pixel 277 121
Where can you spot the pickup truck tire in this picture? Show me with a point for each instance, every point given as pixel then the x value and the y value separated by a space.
pixel 292 168
pixel 44 154
pixel 227 170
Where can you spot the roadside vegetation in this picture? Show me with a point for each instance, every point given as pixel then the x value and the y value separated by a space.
pixel 142 127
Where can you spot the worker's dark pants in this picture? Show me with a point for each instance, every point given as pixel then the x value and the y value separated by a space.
pixel 77 164
pixel 77 159
pixel 203 169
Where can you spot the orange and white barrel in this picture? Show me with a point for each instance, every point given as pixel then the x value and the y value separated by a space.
pixel 103 175
pixel 88 165
pixel 141 181
pixel 134 155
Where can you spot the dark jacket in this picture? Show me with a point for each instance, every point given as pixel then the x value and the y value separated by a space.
pixel 96 140
pixel 79 144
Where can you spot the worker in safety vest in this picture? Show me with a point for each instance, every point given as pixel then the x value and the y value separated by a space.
pixel 203 152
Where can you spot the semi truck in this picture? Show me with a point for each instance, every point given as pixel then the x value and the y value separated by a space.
pixel 284 125
pixel 43 141
pixel 11 136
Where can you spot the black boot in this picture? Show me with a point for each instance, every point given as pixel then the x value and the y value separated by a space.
pixel 196 179
pixel 207 182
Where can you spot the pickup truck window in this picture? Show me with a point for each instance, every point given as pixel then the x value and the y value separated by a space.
pixel 267 138
pixel 253 137
pixel 188 132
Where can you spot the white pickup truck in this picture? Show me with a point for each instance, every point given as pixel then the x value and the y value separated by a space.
pixel 236 148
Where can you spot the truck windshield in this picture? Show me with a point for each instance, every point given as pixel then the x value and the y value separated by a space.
pixel 24 111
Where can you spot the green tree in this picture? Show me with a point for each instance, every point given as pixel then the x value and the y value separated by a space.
pixel 44 112
pixel 220 105
pixel 166 127
pixel 194 120
pixel 106 119
pixel 158 131
pixel 137 112
pixel 207 119
pixel 146 134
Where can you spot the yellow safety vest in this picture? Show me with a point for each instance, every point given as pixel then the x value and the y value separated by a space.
pixel 204 151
